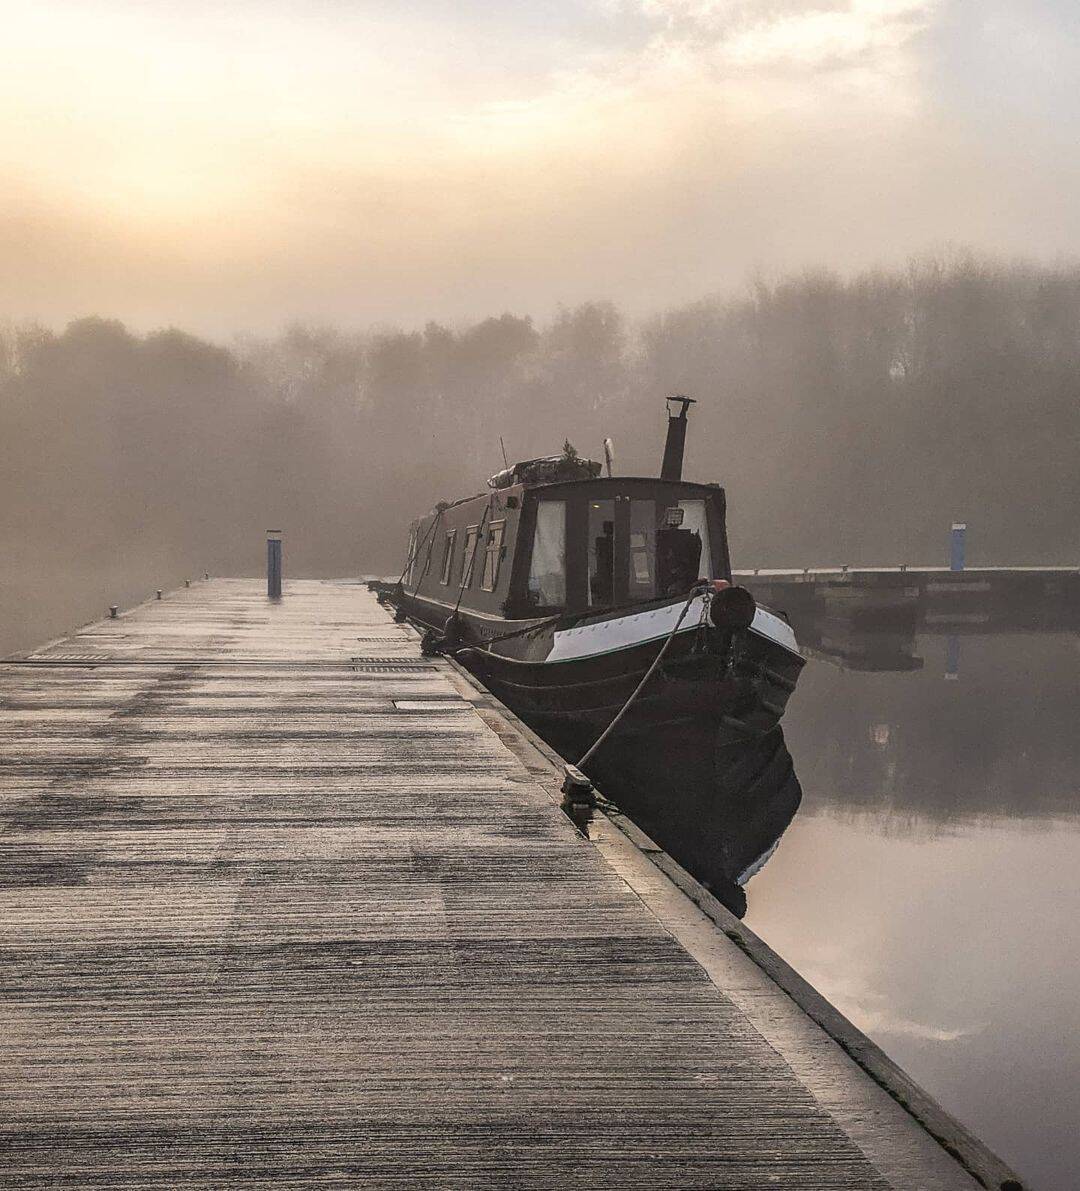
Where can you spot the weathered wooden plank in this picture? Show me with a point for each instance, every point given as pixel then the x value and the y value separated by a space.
pixel 260 927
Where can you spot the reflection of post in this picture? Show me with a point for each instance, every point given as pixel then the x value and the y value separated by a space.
pixel 952 658
pixel 273 563
pixel 956 559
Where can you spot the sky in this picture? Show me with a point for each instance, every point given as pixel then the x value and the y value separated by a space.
pixel 242 164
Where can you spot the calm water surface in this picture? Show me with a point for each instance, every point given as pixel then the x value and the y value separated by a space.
pixel 929 884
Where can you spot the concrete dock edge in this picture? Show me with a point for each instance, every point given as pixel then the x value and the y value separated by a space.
pixel 618 837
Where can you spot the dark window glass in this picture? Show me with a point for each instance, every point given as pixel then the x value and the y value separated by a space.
pixel 696 521
pixel 601 553
pixel 682 547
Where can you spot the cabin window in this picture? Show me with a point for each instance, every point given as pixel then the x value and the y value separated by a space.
pixel 547 568
pixel 695 521
pixel 642 578
pixel 601 553
pixel 410 561
pixel 682 547
pixel 668 548
pixel 448 555
pixel 493 555
pixel 472 532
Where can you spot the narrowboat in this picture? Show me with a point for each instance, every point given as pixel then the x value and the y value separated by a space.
pixel 559 587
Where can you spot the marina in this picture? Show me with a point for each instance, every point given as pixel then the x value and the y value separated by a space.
pixel 540 608
pixel 287 903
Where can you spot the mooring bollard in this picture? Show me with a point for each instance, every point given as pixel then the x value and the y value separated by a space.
pixel 187 582
pixel 159 593
pixel 578 797
pixel 956 553
pixel 113 610
pixel 273 563
pixel 206 574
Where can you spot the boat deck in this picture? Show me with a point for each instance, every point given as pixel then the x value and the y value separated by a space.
pixel 283 903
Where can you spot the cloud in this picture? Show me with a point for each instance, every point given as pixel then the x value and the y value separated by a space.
pixel 806 37
pixel 718 92
pixel 238 165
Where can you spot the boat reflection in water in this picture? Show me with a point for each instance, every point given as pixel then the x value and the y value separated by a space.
pixel 719 809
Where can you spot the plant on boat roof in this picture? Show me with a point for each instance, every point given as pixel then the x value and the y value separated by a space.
pixel 569 451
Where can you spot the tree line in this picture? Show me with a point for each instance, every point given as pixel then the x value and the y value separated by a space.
pixel 850 419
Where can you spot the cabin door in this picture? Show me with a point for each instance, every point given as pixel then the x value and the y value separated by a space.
pixel 632 550
pixel 615 551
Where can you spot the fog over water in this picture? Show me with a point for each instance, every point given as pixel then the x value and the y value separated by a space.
pixel 850 419
pixel 533 221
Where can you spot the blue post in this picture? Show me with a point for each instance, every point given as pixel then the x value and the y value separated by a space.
pixel 273 563
pixel 952 658
pixel 959 532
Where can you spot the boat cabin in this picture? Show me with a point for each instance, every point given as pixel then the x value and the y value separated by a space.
pixel 528 550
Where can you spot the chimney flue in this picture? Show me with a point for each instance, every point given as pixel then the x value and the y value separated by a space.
pixel 671 468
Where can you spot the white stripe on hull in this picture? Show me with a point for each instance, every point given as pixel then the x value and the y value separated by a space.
pixel 624 632
pixel 766 624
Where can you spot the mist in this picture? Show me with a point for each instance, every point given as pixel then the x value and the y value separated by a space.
pixel 850 420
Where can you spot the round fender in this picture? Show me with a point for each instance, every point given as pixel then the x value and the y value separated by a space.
pixel 732 608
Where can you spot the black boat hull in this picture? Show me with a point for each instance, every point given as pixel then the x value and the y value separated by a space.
pixel 744 687
pixel 740 680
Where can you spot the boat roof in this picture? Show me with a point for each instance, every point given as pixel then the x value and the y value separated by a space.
pixel 592 481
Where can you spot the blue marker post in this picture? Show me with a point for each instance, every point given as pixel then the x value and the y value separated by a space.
pixel 952 658
pixel 956 558
pixel 273 563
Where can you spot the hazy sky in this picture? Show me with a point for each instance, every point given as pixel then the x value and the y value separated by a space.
pixel 242 163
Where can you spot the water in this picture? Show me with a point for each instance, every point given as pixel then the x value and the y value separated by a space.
pixel 46 593
pixel 929 884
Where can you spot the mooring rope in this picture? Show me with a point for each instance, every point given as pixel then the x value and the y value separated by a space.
pixel 415 552
pixel 468 571
pixel 695 591
pixel 431 549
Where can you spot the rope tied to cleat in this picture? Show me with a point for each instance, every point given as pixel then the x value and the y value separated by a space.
pixel 705 589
